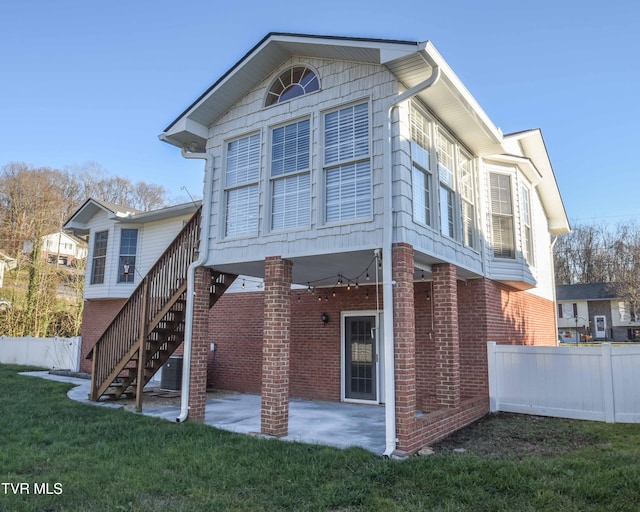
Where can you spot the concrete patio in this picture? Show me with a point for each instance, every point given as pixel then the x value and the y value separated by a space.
pixel 341 425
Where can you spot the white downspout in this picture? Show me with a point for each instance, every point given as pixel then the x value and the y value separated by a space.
pixel 191 274
pixel 553 284
pixel 387 267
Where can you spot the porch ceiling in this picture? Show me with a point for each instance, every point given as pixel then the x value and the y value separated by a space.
pixel 320 270
pixel 324 270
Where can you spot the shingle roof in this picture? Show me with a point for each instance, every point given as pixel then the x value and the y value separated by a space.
pixel 592 291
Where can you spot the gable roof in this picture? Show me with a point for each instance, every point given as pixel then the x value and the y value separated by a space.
pixel 411 62
pixel 78 222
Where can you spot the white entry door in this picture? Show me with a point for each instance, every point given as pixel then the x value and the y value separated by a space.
pixel 600 329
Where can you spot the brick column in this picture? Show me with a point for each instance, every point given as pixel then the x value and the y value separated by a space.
pixel 404 345
pixel 447 346
pixel 199 345
pixel 275 346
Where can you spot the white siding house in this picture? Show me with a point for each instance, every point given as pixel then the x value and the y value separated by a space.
pixel 322 152
pixel 123 243
pixel 364 171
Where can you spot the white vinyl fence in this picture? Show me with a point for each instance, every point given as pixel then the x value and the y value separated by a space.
pixel 589 383
pixel 53 353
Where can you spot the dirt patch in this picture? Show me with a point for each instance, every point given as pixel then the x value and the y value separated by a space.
pixel 505 435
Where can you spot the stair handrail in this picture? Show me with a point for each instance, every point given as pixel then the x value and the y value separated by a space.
pixel 164 278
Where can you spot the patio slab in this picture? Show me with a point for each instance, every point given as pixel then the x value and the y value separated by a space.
pixel 341 425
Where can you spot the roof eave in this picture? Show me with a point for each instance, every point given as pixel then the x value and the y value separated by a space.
pixel 533 145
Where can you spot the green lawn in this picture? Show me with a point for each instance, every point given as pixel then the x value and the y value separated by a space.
pixel 111 460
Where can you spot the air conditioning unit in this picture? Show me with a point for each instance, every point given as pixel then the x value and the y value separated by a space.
pixel 172 374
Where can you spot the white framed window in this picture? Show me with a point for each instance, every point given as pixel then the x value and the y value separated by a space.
pixel 446 173
pixel 242 172
pixel 502 216
pixel 467 188
pixel 421 190
pixel 421 174
pixel 291 175
pixel 99 259
pixel 291 83
pixel 527 232
pixel 347 164
pixel 128 249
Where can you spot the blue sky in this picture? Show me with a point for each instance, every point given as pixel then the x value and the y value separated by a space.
pixel 84 81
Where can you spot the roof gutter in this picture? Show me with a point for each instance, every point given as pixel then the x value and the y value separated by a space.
pixel 387 256
pixel 191 274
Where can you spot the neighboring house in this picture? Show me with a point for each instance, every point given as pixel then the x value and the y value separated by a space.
pixel 61 248
pixel 123 244
pixel 589 312
pixel 363 171
pixel 6 263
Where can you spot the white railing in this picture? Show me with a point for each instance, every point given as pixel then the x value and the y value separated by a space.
pixel 590 383
pixel 52 353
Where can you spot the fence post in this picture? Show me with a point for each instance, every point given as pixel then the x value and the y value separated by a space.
pixel 606 373
pixel 493 377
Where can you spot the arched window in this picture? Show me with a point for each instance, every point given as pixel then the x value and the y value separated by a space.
pixel 292 83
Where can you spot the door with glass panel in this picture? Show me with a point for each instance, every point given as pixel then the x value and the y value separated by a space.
pixel 360 358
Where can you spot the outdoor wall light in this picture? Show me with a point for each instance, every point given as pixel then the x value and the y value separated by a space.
pixel 324 318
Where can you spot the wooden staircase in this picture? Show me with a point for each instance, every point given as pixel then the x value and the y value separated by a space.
pixel 150 325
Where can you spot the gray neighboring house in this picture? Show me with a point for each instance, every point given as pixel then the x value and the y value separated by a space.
pixel 593 312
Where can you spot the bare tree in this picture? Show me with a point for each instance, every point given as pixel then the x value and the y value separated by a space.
pixel 35 202
pixel 583 256
pixel 625 248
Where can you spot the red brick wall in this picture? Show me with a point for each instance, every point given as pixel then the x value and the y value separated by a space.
pixel 96 317
pixel 404 343
pixel 314 371
pixel 447 344
pixel 276 342
pixel 509 316
pixel 236 328
pixel 199 345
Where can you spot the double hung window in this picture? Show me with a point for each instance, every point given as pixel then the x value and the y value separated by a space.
pixel 99 257
pixel 502 216
pixel 290 176
pixel 527 236
pixel 446 168
pixel 347 164
pixel 421 168
pixel 127 263
pixel 242 172
pixel 466 186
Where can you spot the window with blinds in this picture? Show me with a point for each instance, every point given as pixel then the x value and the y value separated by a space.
pixel 347 164
pixel 421 170
pixel 446 167
pixel 242 172
pixel 290 176
pixel 502 216
pixel 466 186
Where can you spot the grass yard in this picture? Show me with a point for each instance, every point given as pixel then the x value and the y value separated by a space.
pixel 96 459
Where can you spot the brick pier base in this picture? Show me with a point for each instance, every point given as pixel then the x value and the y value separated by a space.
pixel 276 346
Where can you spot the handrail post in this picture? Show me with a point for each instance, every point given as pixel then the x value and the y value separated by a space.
pixel 94 365
pixel 142 337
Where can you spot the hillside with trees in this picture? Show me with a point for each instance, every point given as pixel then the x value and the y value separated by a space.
pixel 598 253
pixel 34 202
